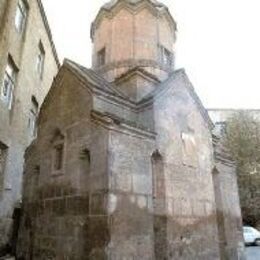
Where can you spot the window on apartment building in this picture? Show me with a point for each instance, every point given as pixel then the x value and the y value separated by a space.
pixel 101 57
pixel 33 113
pixel 21 16
pixel 9 83
pixel 40 60
pixel 3 155
pixel 166 56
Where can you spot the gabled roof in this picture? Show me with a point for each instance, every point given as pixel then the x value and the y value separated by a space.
pixel 96 82
pixel 167 84
pixel 93 78
pixel 140 71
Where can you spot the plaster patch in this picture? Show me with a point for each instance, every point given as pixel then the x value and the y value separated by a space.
pixel 142 202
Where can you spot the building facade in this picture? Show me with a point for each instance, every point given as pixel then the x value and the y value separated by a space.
pixel 28 64
pixel 124 165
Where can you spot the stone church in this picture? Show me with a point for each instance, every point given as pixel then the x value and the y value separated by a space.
pixel 125 165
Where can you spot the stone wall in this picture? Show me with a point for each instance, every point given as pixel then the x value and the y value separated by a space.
pixel 105 212
pixel 65 212
pixel 113 178
pixel 125 191
pixel 184 142
pixel 229 217
pixel 131 199
pixel 62 220
pixel 14 132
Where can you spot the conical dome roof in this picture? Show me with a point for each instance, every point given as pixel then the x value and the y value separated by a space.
pixel 112 3
pixel 107 8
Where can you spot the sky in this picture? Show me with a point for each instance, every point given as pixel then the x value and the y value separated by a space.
pixel 218 44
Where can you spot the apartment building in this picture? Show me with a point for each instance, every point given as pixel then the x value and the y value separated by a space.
pixel 28 64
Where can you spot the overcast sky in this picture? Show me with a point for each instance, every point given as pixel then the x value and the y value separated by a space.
pixel 218 44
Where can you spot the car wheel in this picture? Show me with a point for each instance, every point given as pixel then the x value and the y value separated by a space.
pixel 257 242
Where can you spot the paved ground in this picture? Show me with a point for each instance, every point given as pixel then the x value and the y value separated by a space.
pixel 253 252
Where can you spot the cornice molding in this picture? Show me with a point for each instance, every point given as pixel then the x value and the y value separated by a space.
pixel 133 63
pixel 137 72
pixel 111 122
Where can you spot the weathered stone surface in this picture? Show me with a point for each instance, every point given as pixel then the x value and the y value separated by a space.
pixel 23 49
pixel 227 199
pixel 147 191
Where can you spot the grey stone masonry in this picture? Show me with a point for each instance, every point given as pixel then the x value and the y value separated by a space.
pixel 124 165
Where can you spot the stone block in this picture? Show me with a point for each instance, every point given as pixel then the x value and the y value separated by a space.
pixel 142 184
pixel 123 182
pixel 98 204
pixel 77 205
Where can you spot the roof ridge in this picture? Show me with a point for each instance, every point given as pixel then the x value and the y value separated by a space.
pixel 137 69
pixel 161 86
pixel 189 87
pixel 92 74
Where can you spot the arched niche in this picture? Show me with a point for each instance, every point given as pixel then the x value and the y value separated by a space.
pixel 159 204
pixel 220 214
pixel 158 176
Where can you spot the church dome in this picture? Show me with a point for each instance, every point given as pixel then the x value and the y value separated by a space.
pixel 129 34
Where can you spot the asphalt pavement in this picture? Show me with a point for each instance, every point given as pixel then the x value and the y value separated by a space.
pixel 253 252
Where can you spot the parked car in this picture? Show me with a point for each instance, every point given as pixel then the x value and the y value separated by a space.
pixel 251 236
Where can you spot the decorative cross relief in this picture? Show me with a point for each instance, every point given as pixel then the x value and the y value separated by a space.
pixel 189 149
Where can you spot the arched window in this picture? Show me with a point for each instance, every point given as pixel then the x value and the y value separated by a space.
pixel 159 201
pixel 220 213
pixel 101 57
pixel 158 176
pixel 85 159
pixel 57 152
